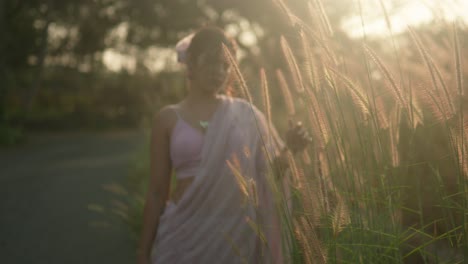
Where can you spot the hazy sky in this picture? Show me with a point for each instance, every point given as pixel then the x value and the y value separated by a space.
pixel 401 13
pixel 406 12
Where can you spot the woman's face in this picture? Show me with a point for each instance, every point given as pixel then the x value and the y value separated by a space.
pixel 210 71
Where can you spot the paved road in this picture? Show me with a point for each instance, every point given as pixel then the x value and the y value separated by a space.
pixel 46 186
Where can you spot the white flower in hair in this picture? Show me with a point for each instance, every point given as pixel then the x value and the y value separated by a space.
pixel 182 46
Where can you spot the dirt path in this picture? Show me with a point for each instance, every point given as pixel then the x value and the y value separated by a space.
pixel 45 188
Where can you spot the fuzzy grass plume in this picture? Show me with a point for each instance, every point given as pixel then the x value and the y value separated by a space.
pixel 283 85
pixel 292 65
pixel 239 77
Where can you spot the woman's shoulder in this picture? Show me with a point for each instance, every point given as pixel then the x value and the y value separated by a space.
pixel 245 109
pixel 243 103
pixel 166 116
pixel 238 100
pixel 168 110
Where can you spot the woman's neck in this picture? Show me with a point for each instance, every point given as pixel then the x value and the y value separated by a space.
pixel 197 97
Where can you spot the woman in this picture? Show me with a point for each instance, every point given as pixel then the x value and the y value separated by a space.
pixel 220 148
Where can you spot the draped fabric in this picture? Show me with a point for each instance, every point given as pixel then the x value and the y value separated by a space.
pixel 215 220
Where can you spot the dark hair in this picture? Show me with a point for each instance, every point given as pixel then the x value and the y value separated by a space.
pixel 210 38
pixel 206 39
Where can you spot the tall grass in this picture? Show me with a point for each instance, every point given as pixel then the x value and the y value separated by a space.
pixel 386 178
pixel 388 181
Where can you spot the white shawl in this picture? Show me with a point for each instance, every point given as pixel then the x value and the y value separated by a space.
pixel 212 223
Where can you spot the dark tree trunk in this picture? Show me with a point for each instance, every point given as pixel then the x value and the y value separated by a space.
pixel 36 84
pixel 3 85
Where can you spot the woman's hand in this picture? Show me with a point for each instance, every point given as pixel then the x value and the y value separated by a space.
pixel 297 137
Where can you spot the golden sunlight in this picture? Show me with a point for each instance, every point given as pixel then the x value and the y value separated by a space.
pixel 401 14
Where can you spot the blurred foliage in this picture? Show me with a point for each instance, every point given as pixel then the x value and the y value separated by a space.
pixel 9 135
pixel 73 100
pixel 53 50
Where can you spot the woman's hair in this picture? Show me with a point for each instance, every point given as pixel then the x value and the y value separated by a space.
pixel 207 39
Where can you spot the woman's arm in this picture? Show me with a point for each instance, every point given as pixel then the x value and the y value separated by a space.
pixel 159 183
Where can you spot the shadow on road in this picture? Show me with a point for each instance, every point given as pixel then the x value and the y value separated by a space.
pixel 46 186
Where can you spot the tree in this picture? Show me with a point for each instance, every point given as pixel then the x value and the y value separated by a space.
pixel 40 34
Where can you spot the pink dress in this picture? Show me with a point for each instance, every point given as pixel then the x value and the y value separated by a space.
pixel 218 217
